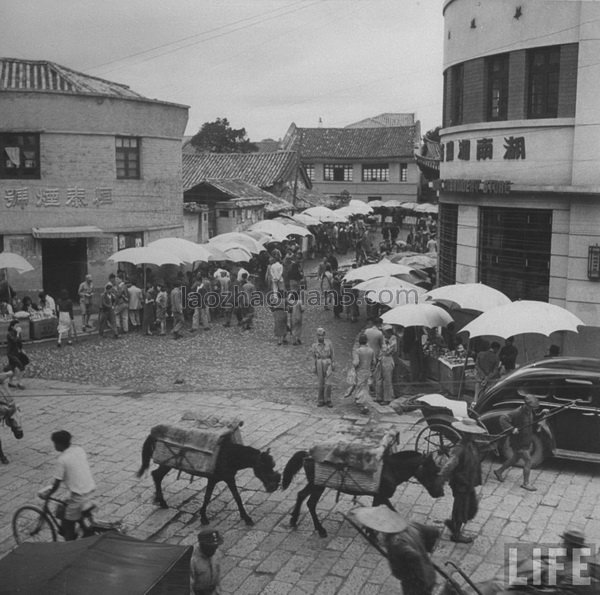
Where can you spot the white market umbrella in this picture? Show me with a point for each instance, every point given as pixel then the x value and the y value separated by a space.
pixel 305 219
pixel 237 254
pixel 390 291
pixel 10 260
pixel 411 206
pixel 526 316
pixel 325 215
pixel 383 268
pixel 259 236
pixel 469 296
pixel 426 315
pixel 426 208
pixel 416 261
pixel 359 207
pixel 189 252
pixel 145 255
pixel 376 203
pixel 235 239
pixel 392 203
pixel 216 252
pixel 275 230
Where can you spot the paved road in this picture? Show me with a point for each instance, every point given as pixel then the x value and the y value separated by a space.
pixel 111 425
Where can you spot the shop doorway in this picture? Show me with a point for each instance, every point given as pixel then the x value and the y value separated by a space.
pixel 64 265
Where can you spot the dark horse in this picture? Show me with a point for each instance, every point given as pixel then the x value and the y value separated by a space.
pixel 10 416
pixel 231 459
pixel 397 468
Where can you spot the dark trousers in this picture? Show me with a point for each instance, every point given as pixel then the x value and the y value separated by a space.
pixel 107 317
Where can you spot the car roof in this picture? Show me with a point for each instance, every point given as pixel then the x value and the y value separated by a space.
pixel 589 364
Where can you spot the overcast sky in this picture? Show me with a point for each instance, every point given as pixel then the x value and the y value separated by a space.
pixel 260 63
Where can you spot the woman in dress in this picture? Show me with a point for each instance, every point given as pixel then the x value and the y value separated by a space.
pixel 17 359
pixel 385 385
pixel 148 312
pixel 162 301
pixel 363 361
pixel 279 309
pixel 295 309
pixel 64 310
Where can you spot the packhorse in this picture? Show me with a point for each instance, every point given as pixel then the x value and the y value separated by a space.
pixel 397 468
pixel 232 458
pixel 10 415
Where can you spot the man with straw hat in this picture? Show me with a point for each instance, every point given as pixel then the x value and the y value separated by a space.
pixel 408 546
pixel 463 472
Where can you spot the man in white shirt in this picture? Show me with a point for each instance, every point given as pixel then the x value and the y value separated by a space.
pixel 73 469
pixel 277 276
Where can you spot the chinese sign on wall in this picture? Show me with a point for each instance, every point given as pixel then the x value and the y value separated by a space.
pixel 513 147
pixel 55 197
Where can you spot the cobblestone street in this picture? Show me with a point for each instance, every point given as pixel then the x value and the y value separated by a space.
pixel 272 390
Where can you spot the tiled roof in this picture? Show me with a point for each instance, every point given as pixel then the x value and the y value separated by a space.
pixel 239 190
pixel 261 169
pixel 352 143
pixel 41 75
pixel 384 120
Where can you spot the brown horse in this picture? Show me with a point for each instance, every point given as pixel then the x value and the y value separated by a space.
pixel 397 468
pixel 10 416
pixel 231 459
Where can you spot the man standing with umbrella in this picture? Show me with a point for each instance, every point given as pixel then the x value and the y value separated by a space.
pixel 522 422
pixel 463 472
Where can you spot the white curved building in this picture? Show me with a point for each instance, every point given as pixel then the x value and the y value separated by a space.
pixel 520 177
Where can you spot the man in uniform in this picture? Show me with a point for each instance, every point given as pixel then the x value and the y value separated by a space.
pixel 322 352
pixel 205 564
pixel 522 422
pixel 463 472
pixel 408 547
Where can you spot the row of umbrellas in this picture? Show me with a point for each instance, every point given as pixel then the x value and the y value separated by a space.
pixel 316 215
pixel 392 284
pixel 232 246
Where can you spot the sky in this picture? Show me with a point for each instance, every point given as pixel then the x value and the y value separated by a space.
pixel 262 64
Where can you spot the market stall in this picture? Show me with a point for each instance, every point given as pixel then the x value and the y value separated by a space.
pixel 446 367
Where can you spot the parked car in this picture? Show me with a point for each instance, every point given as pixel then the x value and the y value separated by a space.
pixel 574 432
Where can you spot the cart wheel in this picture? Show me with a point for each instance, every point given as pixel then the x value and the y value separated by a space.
pixel 30 524
pixel 437 440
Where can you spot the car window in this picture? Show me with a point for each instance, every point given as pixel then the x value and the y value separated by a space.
pixel 570 389
pixel 538 386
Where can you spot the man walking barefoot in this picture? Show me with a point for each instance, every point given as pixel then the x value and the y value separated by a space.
pixel 522 421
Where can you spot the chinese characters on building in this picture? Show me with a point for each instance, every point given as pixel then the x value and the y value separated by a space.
pixel 514 148
pixel 55 197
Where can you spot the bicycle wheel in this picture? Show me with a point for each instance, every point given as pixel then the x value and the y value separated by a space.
pixel 31 524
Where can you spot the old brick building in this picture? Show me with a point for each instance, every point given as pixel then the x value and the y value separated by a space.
pixel 88 167
pixel 520 176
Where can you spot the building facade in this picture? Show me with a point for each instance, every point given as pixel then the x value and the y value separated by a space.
pixel 519 186
pixel 366 161
pixel 88 167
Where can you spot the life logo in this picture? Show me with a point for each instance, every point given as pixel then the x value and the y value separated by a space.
pixel 549 565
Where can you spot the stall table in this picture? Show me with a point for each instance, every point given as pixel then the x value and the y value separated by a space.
pixel 44 328
pixel 447 372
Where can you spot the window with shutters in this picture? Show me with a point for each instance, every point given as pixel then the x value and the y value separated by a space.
pixel 20 156
pixel 497 91
pixel 448 224
pixel 128 157
pixel 379 172
pixel 337 173
pixel 543 79
pixel 514 251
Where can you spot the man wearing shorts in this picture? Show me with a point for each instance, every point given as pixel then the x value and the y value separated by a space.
pixel 522 421
pixel 73 469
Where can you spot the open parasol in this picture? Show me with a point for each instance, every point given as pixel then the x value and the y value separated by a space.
pixel 469 296
pixel 235 239
pixel 188 251
pixel 306 219
pixel 416 261
pixel 325 215
pixel 527 316
pixel 390 291
pixel 426 315
pixel 237 254
pixel 145 255
pixel 383 268
pixel 10 260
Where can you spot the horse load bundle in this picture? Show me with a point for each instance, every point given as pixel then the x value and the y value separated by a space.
pixel 351 466
pixel 192 445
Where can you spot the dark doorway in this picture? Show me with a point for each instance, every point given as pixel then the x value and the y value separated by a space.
pixel 64 265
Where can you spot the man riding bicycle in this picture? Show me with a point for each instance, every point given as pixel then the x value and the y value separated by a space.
pixel 73 469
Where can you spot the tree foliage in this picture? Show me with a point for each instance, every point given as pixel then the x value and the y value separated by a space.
pixel 220 137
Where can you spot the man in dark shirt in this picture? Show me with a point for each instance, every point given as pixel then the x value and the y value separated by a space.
pixel 508 354
pixel 522 422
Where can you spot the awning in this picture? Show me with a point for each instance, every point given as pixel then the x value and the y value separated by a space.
pixel 83 231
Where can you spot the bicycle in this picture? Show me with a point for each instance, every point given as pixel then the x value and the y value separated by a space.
pixel 34 524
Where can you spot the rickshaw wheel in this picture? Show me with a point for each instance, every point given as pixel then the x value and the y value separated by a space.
pixel 437 440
